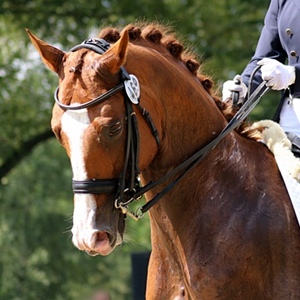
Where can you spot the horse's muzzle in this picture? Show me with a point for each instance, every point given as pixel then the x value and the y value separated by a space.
pixel 96 242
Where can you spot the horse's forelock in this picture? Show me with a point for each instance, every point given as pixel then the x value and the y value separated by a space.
pixel 78 62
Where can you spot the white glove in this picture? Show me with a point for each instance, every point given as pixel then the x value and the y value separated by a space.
pixel 277 75
pixel 231 86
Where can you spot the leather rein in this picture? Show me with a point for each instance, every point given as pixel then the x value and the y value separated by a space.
pixel 127 187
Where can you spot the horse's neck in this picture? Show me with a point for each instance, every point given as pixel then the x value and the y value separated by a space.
pixel 177 223
pixel 191 121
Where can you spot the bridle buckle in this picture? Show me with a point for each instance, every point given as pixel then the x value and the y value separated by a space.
pixel 125 210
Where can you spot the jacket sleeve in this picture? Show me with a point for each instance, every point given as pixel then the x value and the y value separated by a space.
pixel 269 45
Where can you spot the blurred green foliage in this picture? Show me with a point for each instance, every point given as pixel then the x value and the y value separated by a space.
pixel 37 258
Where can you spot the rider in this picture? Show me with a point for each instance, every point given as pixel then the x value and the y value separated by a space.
pixel 279 41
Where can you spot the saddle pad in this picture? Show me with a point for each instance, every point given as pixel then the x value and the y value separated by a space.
pixel 292 186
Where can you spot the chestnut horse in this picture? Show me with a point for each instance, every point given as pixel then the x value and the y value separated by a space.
pixel 227 229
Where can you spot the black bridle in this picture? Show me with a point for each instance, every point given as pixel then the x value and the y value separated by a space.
pixel 127 187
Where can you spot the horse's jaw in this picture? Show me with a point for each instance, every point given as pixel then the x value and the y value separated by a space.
pixel 91 232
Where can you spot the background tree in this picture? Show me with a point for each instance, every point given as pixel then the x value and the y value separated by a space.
pixel 37 258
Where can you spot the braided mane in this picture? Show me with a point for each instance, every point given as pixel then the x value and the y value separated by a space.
pixel 162 38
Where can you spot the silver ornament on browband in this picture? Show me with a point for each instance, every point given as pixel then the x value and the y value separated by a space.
pixel 132 88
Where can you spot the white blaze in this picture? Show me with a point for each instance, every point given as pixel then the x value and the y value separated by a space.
pixel 74 125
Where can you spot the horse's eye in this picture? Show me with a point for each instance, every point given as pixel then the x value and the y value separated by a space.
pixel 115 129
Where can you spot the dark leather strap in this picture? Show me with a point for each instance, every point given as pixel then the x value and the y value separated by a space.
pixel 136 141
pixel 95 44
pixel 92 102
pixel 276 117
pixel 95 186
pixel 149 120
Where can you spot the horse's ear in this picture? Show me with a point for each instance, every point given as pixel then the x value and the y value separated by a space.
pixel 51 56
pixel 115 56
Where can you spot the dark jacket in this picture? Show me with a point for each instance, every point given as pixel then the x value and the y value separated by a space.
pixel 279 39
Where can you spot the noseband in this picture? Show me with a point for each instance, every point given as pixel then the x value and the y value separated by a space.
pixel 126 187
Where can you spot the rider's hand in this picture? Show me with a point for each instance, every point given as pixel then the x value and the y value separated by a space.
pixel 277 75
pixel 231 86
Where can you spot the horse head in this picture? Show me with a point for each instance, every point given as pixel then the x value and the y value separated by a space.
pixel 94 135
